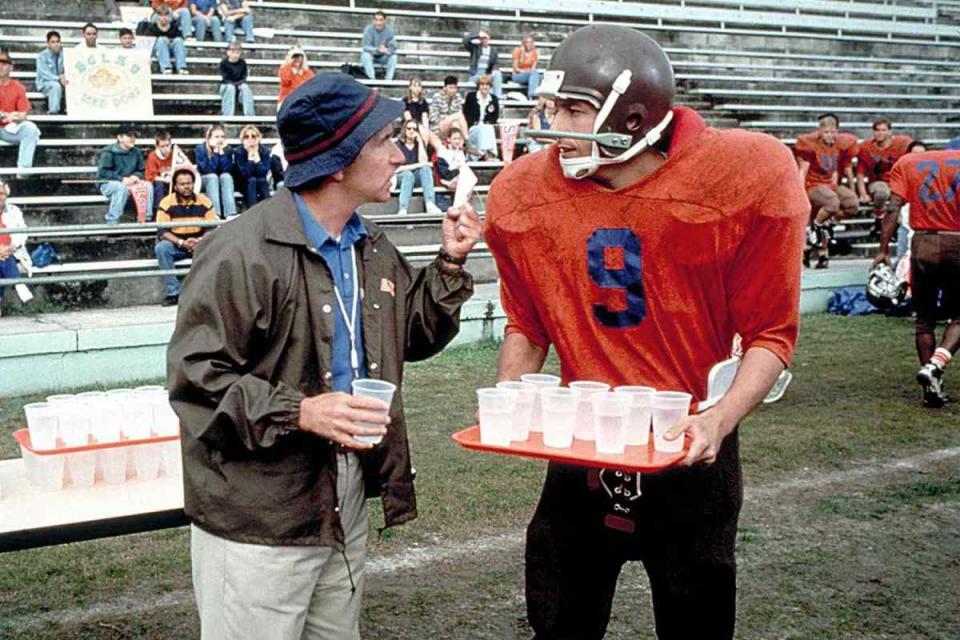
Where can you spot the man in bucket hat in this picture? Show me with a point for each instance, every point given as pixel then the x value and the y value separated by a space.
pixel 283 309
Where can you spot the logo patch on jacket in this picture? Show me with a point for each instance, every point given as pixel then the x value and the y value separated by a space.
pixel 388 286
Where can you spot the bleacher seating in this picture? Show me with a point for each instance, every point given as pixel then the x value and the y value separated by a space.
pixel 750 63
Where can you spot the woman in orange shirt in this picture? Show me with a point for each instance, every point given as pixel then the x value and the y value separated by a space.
pixel 294 71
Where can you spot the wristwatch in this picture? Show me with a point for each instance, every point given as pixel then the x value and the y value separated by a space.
pixel 446 257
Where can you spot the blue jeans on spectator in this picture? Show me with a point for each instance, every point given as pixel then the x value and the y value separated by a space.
pixel 383 60
pixel 162 50
pixel 497 78
pixel 8 269
pixel 903 240
pixel 219 188
pixel 257 190
pixel 200 28
pixel 54 93
pixel 119 194
pixel 228 99
pixel 26 136
pixel 230 28
pixel 167 255
pixel 529 78
pixel 483 138
pixel 409 179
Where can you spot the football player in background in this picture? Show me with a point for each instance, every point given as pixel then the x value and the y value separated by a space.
pixel 875 159
pixel 930 183
pixel 823 156
pixel 637 247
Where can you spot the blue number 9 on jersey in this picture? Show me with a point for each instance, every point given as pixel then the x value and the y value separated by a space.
pixel 629 278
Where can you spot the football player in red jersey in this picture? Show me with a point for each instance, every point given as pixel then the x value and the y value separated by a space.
pixel 637 247
pixel 874 162
pixel 930 183
pixel 823 156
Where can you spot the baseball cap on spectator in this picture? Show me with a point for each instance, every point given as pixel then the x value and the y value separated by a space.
pixel 325 122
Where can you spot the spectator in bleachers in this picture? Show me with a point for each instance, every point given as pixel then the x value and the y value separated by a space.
pixel 158 166
pixel 179 243
pixel 446 108
pixel 179 14
pixel 51 78
pixel 823 156
pixel 484 60
pixel 416 169
pixel 525 59
pixel 294 71
pixel 14 109
pixel 251 161
pixel 127 38
pixel 379 47
pixel 233 83
pixel 450 157
pixel 214 160
pixel 206 18
pixel 90 32
pixel 10 243
pixel 169 40
pixel 540 118
pixel 415 106
pixel 875 159
pixel 234 13
pixel 482 111
pixel 121 165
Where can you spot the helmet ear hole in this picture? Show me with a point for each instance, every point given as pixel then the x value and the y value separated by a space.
pixel 636 115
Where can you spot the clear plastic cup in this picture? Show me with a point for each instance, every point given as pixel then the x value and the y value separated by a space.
pixel 112 465
pixel 527 394
pixel 172 458
pixel 105 418
pixel 146 461
pixel 610 412
pixel 543 381
pixel 380 390
pixel 559 408
pixel 165 421
pixel 497 407
pixel 137 417
pixel 60 398
pixel 586 389
pixel 46 472
pixel 74 422
pixel 669 408
pixel 638 422
pixel 80 468
pixel 42 423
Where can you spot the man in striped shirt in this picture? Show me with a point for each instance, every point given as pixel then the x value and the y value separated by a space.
pixel 177 243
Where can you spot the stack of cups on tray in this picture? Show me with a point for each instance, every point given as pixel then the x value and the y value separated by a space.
pixel 585 410
pixel 84 420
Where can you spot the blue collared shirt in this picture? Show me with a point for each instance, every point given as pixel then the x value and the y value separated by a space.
pixel 49 66
pixel 337 256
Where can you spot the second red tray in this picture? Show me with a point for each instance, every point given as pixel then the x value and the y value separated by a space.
pixel 643 459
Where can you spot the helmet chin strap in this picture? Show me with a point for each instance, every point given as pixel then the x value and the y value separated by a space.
pixel 585 166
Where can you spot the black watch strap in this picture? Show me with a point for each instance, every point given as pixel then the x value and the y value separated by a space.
pixel 446 257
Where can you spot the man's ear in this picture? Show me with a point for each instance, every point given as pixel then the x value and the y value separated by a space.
pixel 336 177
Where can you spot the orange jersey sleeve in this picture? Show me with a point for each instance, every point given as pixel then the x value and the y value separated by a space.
pixel 930 182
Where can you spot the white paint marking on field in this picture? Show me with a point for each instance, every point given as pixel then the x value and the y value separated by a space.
pixel 416 558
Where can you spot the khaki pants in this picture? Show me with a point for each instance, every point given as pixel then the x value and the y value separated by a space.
pixel 266 592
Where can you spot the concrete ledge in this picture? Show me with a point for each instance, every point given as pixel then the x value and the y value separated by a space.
pixel 112 347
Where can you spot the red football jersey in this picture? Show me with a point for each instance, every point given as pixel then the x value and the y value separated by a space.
pixel 649 284
pixel 875 163
pixel 827 163
pixel 930 182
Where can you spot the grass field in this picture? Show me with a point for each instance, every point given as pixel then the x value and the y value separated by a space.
pixel 850 529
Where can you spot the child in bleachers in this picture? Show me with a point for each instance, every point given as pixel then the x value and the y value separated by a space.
pixel 233 83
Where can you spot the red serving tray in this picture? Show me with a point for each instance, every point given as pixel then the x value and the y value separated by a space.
pixel 635 458
pixel 22 436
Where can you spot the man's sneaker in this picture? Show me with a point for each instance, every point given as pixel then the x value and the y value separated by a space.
pixel 183 72
pixel 433 209
pixel 815 234
pixel 930 377
pixel 166 72
pixel 823 262
pixel 170 301
pixel 401 212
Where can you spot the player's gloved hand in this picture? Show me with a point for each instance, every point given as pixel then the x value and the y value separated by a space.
pixel 881 257
pixel 334 416
pixel 461 230
pixel 706 432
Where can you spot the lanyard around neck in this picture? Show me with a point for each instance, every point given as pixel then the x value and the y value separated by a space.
pixel 351 319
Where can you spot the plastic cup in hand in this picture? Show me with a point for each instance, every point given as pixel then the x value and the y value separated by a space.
pixel 497 407
pixel 42 424
pixel 543 381
pixel 586 389
pixel 641 406
pixel 74 420
pixel 379 390
pixel 559 416
pixel 526 394
pixel 669 408
pixel 610 412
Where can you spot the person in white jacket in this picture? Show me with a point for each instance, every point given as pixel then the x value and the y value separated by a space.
pixel 12 245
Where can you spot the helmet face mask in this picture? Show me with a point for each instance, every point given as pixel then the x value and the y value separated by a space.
pixel 884 289
pixel 623 74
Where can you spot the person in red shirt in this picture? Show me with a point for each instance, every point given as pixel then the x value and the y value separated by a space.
pixel 637 250
pixel 525 65
pixel 930 183
pixel 14 107
pixel 294 71
pixel 875 159
pixel 823 156
pixel 158 166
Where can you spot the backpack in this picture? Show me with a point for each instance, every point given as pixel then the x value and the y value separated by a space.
pixel 44 255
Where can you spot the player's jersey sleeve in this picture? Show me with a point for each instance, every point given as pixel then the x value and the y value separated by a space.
pixel 763 280
pixel 518 302
pixel 864 161
pixel 804 150
pixel 900 182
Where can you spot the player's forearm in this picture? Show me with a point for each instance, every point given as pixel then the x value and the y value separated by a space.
pixel 758 371
pixel 889 228
pixel 519 356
